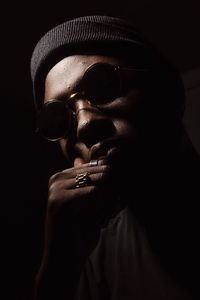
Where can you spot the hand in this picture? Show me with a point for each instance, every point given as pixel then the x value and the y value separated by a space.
pixel 80 212
pixel 75 216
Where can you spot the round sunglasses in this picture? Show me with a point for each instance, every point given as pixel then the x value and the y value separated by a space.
pixel 100 84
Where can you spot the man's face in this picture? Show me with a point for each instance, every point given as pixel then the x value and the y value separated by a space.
pixel 103 130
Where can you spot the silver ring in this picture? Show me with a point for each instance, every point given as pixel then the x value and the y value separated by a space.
pixel 82 179
pixel 93 163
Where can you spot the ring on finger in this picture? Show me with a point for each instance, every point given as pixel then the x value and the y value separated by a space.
pixel 82 179
pixel 93 163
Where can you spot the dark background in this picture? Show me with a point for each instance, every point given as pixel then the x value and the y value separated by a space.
pixel 26 160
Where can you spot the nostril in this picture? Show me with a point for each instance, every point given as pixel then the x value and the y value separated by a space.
pixel 93 131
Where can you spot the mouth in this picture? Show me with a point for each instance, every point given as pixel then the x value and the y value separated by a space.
pixel 106 149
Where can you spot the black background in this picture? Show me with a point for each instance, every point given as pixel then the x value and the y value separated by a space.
pixel 26 160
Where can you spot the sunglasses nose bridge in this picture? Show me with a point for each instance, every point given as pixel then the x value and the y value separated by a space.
pixel 77 101
pixel 82 103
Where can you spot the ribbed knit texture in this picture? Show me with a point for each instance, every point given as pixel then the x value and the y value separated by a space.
pixel 88 35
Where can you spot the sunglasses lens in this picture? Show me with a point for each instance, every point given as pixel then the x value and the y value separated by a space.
pixel 101 83
pixel 54 120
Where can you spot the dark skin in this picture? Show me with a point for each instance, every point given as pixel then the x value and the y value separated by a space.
pixel 75 216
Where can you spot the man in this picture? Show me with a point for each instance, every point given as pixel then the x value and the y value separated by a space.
pixel 115 106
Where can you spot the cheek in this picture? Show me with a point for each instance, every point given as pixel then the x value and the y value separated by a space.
pixel 132 144
pixel 67 148
pixel 63 146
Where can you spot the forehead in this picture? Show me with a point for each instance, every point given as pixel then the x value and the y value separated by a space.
pixel 63 77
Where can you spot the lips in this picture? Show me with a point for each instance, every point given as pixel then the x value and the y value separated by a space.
pixel 107 149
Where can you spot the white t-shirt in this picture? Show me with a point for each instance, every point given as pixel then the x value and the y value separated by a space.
pixel 123 266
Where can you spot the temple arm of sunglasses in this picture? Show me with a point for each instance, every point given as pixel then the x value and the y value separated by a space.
pixel 122 68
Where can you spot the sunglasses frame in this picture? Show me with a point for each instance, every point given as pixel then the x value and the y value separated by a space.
pixel 117 69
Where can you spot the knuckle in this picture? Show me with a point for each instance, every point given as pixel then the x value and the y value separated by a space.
pixel 53 178
pixel 106 169
pixel 102 176
pixel 53 187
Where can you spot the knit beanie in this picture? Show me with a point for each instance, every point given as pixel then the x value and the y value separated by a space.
pixel 103 35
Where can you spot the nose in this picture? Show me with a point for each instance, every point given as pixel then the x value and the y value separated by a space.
pixel 93 125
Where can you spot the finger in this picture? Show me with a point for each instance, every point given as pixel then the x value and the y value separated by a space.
pixel 72 172
pixel 93 163
pixel 78 162
pixel 70 183
pixel 98 162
